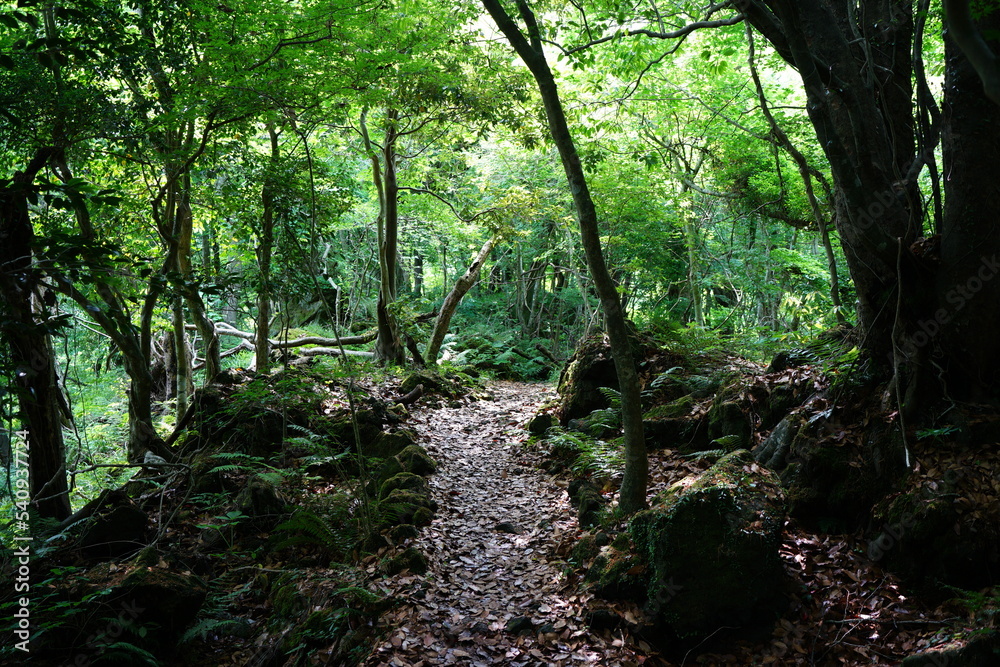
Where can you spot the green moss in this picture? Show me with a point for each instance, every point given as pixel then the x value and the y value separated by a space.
pixel 406 481
pixel 414 459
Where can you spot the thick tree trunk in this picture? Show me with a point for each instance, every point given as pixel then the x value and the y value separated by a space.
pixel 855 63
pixel 461 288
pixel 28 339
pixel 857 70
pixel 968 282
pixel 632 496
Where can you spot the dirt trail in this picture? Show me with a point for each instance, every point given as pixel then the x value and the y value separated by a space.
pixel 480 577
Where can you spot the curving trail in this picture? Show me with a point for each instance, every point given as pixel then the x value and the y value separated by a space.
pixel 481 578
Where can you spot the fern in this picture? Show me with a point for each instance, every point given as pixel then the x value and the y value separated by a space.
pixel 305 527
pixel 728 443
pixel 123 653
pixel 614 397
pixel 203 627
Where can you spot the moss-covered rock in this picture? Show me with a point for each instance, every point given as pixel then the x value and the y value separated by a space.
pixel 929 535
pixel 261 500
pixel 590 368
pixel 402 506
pixel 835 481
pixel 618 573
pixel 406 481
pixel 588 501
pixel 711 547
pixel 386 444
pixel 410 559
pixel 414 459
pixel 540 423
pixel 167 599
pixel 982 650
pixel 727 418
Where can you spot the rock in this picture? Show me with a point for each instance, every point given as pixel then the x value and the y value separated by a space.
pixel 540 423
pixel 983 650
pixel 401 506
pixel 588 501
pixel 838 483
pixel 520 625
pixel 167 599
pixel 403 532
pixel 774 450
pixel 414 459
pixel 116 530
pixel 261 501
pixel 603 619
pixel 727 418
pixel 673 426
pixel 388 444
pixel 914 534
pixel 406 481
pixel 585 550
pixel 711 547
pixel 411 559
pixel 590 368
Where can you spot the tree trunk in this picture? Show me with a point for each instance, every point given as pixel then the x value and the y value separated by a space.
pixel 859 92
pixel 418 275
pixel 262 359
pixel 633 491
pixel 967 289
pixel 26 333
pixel 388 346
pixel 462 286
pixel 860 100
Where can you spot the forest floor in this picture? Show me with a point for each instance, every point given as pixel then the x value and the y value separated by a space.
pixel 499 590
pixel 483 580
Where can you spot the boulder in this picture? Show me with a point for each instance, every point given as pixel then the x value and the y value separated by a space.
pixel 711 549
pixel 115 529
pixel 410 559
pixel 588 501
pixel 982 650
pixel 414 459
pixel 937 532
pixel 261 501
pixel 406 481
pixel 386 444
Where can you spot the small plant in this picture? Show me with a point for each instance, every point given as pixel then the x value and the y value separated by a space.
pixel 938 434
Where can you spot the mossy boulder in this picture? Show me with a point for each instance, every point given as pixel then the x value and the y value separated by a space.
pixel 727 418
pixel 162 598
pixel 982 650
pixel 540 423
pixel 402 506
pixel 590 368
pixel 673 426
pixel 619 573
pixel 261 500
pixel 117 528
pixel 937 533
pixel 414 459
pixel 588 501
pixel 835 481
pixel 406 481
pixel 386 444
pixel 410 559
pixel 711 548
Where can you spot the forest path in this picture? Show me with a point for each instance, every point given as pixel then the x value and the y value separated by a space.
pixel 481 578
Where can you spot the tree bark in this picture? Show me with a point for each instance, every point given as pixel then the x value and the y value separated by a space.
pixel 968 288
pixel 461 288
pixel 262 360
pixel 28 337
pixel 632 496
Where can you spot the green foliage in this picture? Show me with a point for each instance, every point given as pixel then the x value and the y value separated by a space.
pixel 336 534
pixel 592 457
